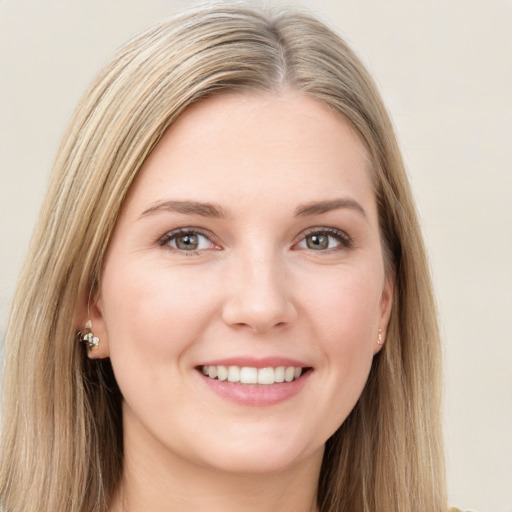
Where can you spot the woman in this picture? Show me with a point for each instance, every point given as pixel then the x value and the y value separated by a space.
pixel 230 234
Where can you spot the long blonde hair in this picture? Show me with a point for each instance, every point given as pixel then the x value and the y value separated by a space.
pixel 62 444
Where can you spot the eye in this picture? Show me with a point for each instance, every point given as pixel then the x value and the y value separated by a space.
pixel 186 240
pixel 324 240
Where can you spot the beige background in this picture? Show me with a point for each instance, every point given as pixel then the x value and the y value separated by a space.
pixel 445 70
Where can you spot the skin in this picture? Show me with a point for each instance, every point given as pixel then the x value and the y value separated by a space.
pixel 254 288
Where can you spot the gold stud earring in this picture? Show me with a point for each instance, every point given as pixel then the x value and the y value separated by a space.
pixel 87 337
pixel 380 341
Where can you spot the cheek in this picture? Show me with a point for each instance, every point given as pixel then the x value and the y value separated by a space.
pixel 345 305
pixel 345 315
pixel 153 311
pixel 153 315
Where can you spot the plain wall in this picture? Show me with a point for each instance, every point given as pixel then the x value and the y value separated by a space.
pixel 445 71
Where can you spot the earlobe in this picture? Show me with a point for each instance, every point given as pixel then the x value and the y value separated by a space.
pixel 385 311
pixel 93 332
pixel 387 300
pixel 91 341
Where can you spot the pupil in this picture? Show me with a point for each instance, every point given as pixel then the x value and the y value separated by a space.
pixel 317 242
pixel 187 242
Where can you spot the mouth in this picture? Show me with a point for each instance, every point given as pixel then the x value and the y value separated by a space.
pixel 255 382
pixel 251 375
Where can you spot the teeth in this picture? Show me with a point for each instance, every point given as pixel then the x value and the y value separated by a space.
pixel 250 375
pixel 222 373
pixel 266 376
pixel 234 374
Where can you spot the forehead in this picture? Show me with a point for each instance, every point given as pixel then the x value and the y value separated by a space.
pixel 238 146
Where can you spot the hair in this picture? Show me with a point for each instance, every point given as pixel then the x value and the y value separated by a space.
pixel 62 440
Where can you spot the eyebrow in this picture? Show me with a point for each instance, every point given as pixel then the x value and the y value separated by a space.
pixel 320 207
pixel 216 211
pixel 187 208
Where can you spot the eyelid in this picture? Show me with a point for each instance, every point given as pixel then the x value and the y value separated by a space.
pixel 345 241
pixel 163 240
pixel 344 238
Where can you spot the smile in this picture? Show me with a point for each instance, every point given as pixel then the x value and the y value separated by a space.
pixel 252 375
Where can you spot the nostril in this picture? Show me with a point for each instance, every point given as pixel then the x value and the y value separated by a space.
pixel 260 317
pixel 258 294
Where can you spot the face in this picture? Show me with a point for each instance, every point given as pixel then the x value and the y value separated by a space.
pixel 244 286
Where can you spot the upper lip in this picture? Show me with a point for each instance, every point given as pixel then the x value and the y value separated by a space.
pixel 252 362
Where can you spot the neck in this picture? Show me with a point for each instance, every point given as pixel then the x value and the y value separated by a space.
pixel 157 481
pixel 250 493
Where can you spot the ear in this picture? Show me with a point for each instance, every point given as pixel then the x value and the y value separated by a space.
pixel 386 304
pixel 89 309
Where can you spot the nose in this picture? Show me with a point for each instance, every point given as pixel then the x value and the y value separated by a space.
pixel 259 295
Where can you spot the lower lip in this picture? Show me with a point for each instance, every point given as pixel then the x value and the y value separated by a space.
pixel 256 395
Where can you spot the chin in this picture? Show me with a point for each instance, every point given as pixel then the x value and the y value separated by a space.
pixel 263 462
pixel 259 455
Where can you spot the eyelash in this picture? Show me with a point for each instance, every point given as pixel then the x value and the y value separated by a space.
pixel 173 235
pixel 345 241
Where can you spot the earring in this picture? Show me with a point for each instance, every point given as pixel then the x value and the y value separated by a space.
pixel 380 341
pixel 92 342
